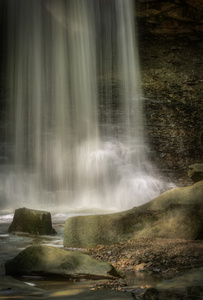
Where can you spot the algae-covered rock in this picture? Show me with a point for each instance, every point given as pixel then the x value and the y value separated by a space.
pixel 177 213
pixel 32 221
pixel 49 260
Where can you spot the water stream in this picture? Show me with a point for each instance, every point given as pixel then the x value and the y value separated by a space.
pixel 74 121
pixel 73 129
pixel 12 244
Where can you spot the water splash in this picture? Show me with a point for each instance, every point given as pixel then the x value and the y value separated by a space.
pixel 75 132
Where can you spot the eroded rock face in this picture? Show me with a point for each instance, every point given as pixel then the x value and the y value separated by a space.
pixel 181 16
pixel 171 72
pixel 176 213
pixel 32 221
pixel 50 260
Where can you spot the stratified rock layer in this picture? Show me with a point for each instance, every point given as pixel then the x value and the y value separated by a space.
pixel 32 221
pixel 177 213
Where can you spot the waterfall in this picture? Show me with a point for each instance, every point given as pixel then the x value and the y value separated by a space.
pixel 75 122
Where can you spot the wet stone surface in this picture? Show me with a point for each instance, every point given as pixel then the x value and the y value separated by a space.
pixel 171 79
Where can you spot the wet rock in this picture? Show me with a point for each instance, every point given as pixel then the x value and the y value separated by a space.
pixel 187 286
pixel 9 287
pixel 41 260
pixel 176 213
pixel 169 17
pixel 156 270
pixel 173 124
pixel 32 221
pixel 196 172
pixel 140 266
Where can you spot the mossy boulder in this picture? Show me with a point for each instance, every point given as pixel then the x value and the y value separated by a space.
pixel 49 260
pixel 177 213
pixel 32 221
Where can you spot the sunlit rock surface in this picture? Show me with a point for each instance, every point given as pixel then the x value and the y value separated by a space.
pixel 49 260
pixel 176 213
pixel 32 221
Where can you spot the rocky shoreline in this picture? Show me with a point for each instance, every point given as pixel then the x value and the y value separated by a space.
pixel 161 258
pixel 160 242
pixel 147 264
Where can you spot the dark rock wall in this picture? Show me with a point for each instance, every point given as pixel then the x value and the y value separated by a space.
pixel 3 37
pixel 171 63
pixel 174 16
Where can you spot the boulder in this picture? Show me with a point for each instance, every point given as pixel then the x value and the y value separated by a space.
pixel 187 286
pixel 177 213
pixel 196 172
pixel 32 221
pixel 49 260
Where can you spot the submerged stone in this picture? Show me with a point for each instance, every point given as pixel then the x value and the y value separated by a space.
pixel 32 221
pixel 177 213
pixel 49 260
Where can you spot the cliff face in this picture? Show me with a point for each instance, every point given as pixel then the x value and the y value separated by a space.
pixel 170 47
pixel 175 16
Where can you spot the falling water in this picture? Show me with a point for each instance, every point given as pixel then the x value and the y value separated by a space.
pixel 74 130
